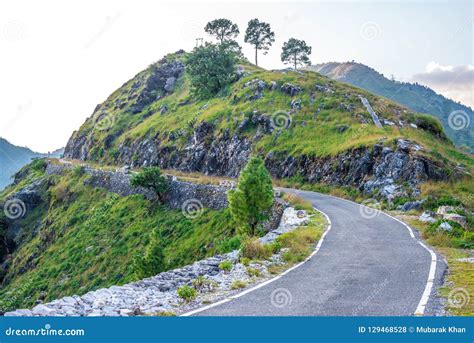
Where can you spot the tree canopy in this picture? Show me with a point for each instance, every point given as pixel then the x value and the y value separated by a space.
pixel 251 201
pixel 260 35
pixel 223 29
pixel 211 68
pixel 296 52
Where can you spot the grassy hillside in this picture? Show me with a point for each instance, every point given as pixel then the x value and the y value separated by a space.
pixel 84 238
pixel 331 119
pixel 416 97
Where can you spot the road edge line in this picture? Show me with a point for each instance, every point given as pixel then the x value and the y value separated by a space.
pixel 260 285
pixel 420 309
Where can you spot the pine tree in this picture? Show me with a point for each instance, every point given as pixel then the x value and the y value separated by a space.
pixel 251 201
pixel 260 35
pixel 296 52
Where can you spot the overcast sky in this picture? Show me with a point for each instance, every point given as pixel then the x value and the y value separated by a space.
pixel 60 58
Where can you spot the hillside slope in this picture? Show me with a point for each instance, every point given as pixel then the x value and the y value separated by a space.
pixel 308 127
pixel 416 97
pixel 13 158
pixel 62 234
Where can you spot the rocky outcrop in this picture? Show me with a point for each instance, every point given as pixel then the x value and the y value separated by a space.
pixel 379 170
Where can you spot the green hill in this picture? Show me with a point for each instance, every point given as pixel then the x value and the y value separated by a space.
pixel 308 128
pixel 416 97
pixel 313 133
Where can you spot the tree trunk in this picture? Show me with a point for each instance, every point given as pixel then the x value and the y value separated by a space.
pixel 295 62
pixel 256 61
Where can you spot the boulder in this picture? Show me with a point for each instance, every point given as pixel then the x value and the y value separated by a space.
pixel 457 218
pixel 444 226
pixel 427 217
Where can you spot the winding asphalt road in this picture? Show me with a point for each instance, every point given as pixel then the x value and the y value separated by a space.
pixel 368 264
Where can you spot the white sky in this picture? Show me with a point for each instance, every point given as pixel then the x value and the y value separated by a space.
pixel 58 59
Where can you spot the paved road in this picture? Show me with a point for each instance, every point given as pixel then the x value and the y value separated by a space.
pixel 366 266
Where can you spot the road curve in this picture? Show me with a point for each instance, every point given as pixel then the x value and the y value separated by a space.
pixel 368 265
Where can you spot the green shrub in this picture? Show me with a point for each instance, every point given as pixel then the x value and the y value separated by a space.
pixel 238 284
pixel 201 284
pixel 211 68
pixel 187 293
pixel 151 177
pixel 78 171
pixel 430 124
pixel 253 272
pixel 245 261
pixel 225 266
pixel 153 261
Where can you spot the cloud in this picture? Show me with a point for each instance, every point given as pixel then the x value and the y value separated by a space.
pixel 455 82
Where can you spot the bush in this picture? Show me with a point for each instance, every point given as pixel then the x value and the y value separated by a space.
pixel 78 171
pixel 254 250
pixel 211 68
pixel 430 124
pixel 251 201
pixel 151 177
pixel 153 261
pixel 253 272
pixel 187 293
pixel 225 266
pixel 238 284
pixel 245 261
pixel 298 243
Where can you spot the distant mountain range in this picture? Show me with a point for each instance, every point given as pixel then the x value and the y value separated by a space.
pixel 412 95
pixel 13 158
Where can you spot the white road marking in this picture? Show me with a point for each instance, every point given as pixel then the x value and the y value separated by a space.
pixel 318 246
pixel 420 309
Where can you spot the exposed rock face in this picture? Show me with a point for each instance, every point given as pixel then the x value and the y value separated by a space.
pixel 224 155
pixel 378 171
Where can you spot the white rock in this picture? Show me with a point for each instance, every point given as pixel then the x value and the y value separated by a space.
pixel 445 227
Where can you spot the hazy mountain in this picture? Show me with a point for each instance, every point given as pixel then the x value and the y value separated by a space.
pixel 13 157
pixel 415 96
